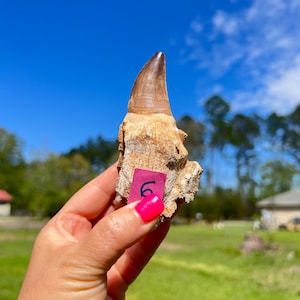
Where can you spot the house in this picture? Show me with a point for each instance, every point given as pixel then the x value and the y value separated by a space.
pixel 5 207
pixel 279 209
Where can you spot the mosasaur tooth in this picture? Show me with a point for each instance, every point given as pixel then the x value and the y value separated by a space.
pixel 149 139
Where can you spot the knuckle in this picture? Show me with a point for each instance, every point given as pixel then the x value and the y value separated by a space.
pixel 116 228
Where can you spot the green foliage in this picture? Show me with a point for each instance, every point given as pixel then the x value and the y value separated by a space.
pixel 293 141
pixel 244 130
pixel 217 133
pixel 195 141
pixel 50 183
pixel 99 152
pixel 242 143
pixel 276 177
pixel 216 108
pixel 277 127
pixel 224 204
pixel 12 164
pixel 10 149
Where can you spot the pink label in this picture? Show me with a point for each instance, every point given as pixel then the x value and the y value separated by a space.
pixel 146 182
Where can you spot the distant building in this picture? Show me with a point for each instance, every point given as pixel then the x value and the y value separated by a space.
pixel 279 209
pixel 5 203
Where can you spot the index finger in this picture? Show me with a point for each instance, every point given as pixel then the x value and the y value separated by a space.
pixel 94 197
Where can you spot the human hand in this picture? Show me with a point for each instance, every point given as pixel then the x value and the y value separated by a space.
pixel 90 250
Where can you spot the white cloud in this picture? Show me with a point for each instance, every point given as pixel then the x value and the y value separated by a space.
pixel 258 47
pixel 217 89
pixel 284 91
pixel 190 40
pixel 224 23
pixel 280 92
pixel 196 26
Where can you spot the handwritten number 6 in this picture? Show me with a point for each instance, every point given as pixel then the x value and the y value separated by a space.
pixel 144 189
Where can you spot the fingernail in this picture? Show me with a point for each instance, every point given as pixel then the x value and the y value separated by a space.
pixel 150 207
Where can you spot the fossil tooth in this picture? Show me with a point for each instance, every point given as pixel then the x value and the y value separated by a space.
pixel 149 139
pixel 149 94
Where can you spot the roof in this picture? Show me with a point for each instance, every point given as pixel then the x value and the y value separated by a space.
pixel 5 196
pixel 287 199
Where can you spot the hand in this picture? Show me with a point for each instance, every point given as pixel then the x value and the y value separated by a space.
pixel 90 250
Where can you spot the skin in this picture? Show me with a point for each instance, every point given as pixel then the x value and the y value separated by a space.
pixel 90 249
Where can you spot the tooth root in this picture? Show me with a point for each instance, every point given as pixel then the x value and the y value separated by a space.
pixel 149 93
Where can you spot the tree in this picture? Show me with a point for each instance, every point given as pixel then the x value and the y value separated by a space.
pixel 218 131
pixel 99 152
pixel 51 182
pixel 293 134
pixel 276 134
pixel 244 130
pixel 276 129
pixel 195 141
pixel 276 177
pixel 12 165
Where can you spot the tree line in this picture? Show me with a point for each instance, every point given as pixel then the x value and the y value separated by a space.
pixel 245 158
pixel 257 157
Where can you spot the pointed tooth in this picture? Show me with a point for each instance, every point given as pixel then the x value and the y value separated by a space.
pixel 149 93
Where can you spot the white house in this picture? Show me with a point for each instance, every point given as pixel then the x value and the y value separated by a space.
pixel 5 200
pixel 281 208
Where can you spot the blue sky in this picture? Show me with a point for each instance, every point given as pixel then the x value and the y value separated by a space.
pixel 67 67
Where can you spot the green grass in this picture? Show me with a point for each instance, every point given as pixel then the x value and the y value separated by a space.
pixel 15 249
pixel 198 262
pixel 194 262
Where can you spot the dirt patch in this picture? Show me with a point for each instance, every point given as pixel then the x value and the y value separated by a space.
pixel 294 269
pixel 172 247
pixel 14 237
pixel 26 223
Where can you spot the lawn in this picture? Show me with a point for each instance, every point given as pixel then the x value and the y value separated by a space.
pixel 194 262
pixel 198 262
pixel 15 248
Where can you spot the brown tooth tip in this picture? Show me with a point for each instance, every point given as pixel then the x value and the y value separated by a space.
pixel 149 93
pixel 159 56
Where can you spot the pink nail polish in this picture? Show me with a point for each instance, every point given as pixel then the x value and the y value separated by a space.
pixel 150 207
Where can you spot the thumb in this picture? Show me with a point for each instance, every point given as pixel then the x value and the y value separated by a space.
pixel 116 232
